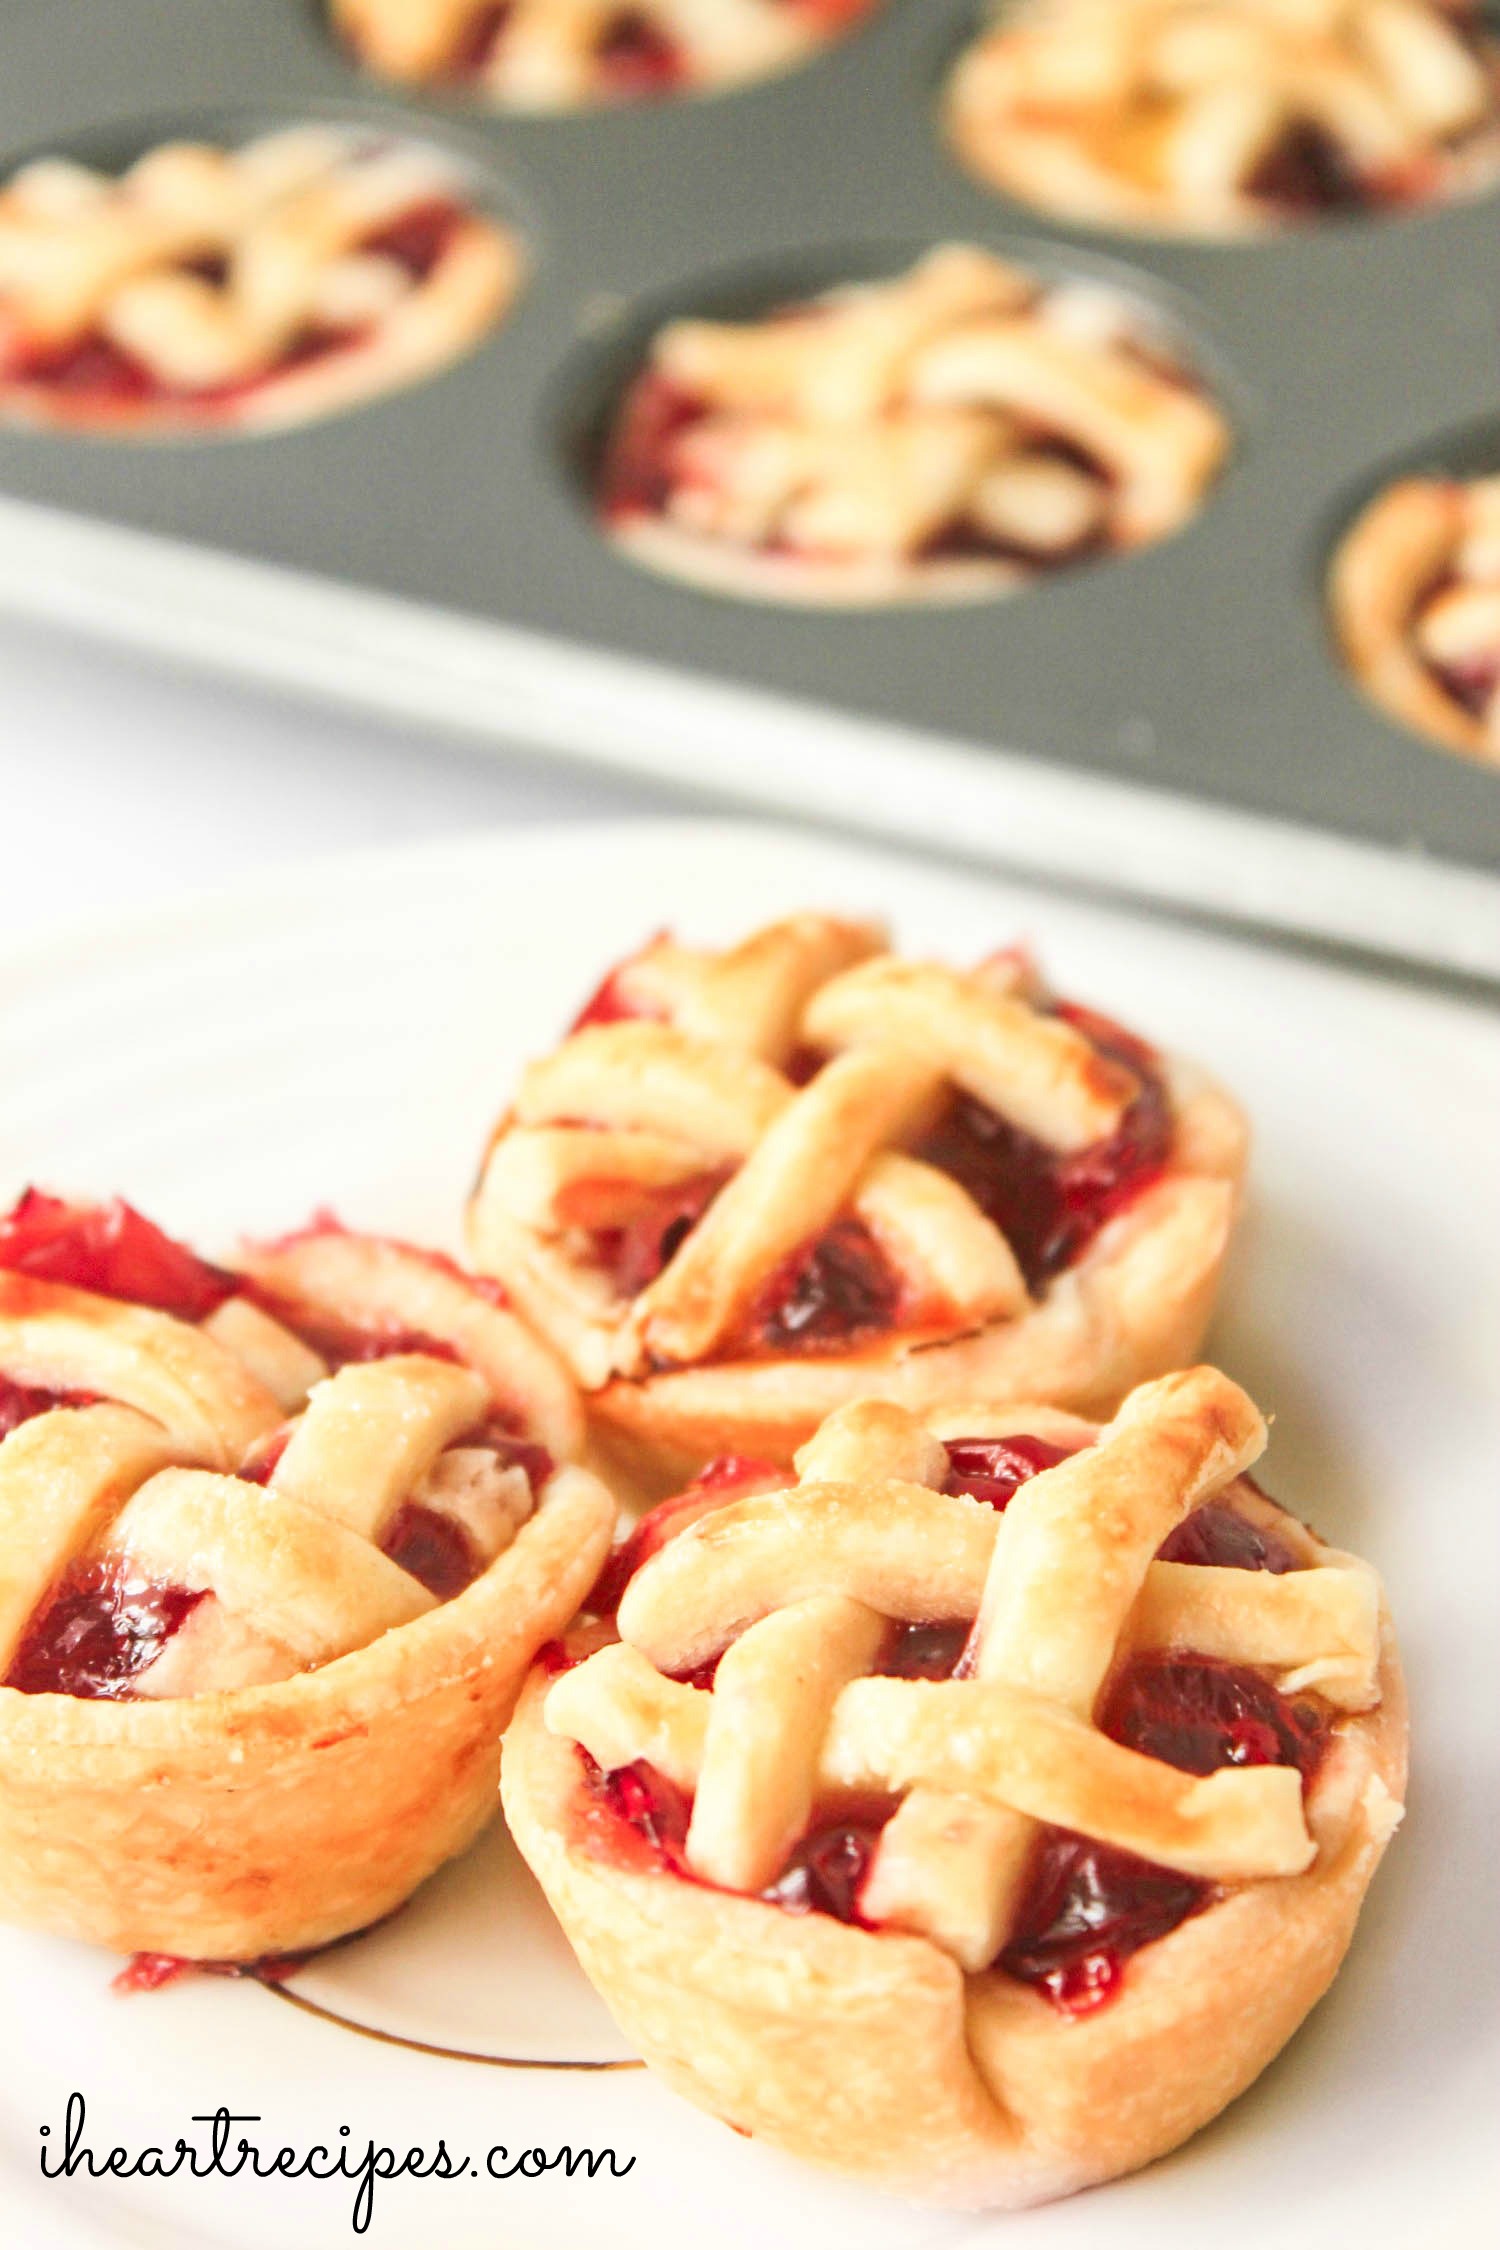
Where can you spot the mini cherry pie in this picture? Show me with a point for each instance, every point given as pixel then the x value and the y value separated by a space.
pixel 950 432
pixel 577 54
pixel 755 1184
pixel 980 1811
pixel 1415 597
pixel 260 1626
pixel 249 288
pixel 1224 117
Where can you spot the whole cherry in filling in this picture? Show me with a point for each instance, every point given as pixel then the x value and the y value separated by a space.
pixel 99 1631
pixel 1049 1206
pixel 832 1291
pixel 1087 1907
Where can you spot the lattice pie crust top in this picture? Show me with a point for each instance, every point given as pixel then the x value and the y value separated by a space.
pixel 261 1625
pixel 753 1184
pixel 213 289
pixel 951 432
pixel 1229 117
pixel 577 54
pixel 980 1809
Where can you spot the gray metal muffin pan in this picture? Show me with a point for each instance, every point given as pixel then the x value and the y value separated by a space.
pixel 1173 723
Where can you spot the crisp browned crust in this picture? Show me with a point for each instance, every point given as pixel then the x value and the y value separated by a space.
pixel 872 2054
pixel 228 1826
pixel 1136 1305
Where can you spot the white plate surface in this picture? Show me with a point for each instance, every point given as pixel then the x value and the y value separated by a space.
pixel 344 1033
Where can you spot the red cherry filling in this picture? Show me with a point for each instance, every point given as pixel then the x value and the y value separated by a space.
pixel 637 60
pixel 723 1480
pixel 639 470
pixel 151 1972
pixel 1050 1206
pixel 1087 1907
pixel 480 37
pixel 826 1871
pixel 438 1552
pixel 1472 685
pixel 21 1402
pixel 433 1548
pixel 1216 1537
pixel 635 1816
pixel 830 1292
pixel 419 239
pixel 994 1469
pixel 1198 1713
pixel 98 1633
pixel 110 1249
pixel 925 1652
pixel 1306 173
pixel 609 1002
pixel 636 1250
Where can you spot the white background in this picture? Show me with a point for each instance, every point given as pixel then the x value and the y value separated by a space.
pixel 125 782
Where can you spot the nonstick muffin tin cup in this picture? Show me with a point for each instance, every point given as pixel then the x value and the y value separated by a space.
pixel 1174 723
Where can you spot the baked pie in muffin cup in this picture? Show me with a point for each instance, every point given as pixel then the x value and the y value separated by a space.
pixel 753 1185
pixel 1228 117
pixel 1414 594
pixel 261 1626
pixel 584 54
pixel 978 1813
pixel 948 433
pixel 210 289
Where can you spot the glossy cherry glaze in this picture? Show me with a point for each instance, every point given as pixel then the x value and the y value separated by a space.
pixel 1088 1908
pixel 99 1631
pixel 1215 1536
pixel 1050 1206
pixel 994 1469
pixel 828 1296
pixel 826 1871
pixel 110 1249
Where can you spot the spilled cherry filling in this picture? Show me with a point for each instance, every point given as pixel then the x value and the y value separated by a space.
pixel 1086 1907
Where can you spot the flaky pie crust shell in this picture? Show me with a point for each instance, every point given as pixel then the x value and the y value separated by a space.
pixel 266 1820
pixel 1135 1305
pixel 872 2054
